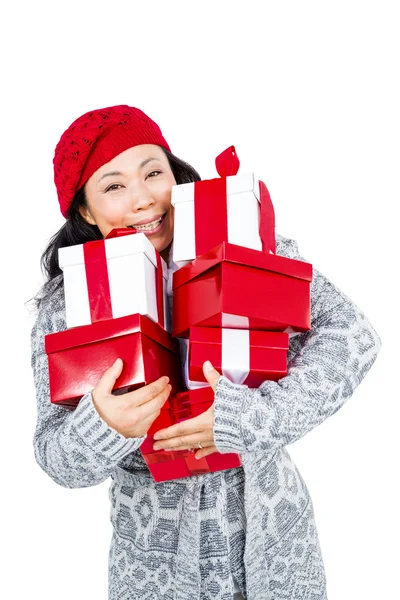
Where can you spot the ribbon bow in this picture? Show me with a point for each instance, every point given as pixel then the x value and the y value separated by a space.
pixel 227 164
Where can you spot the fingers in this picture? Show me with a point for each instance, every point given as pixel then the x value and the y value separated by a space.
pixel 206 451
pixel 184 428
pixel 185 442
pixel 151 408
pixel 211 374
pixel 150 392
pixel 188 433
pixel 138 397
pixel 109 377
pixel 203 422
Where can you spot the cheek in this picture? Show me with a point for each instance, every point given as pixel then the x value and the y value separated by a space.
pixel 163 189
pixel 112 214
pixel 165 197
pixel 108 221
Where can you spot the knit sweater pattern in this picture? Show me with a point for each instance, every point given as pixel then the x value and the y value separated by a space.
pixel 184 539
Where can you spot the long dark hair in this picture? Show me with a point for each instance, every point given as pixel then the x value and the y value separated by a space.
pixel 78 231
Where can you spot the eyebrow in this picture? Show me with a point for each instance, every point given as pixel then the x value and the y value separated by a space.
pixel 118 173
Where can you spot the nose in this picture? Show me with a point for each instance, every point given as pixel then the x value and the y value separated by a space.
pixel 141 198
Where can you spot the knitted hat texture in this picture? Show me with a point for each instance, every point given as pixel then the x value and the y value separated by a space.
pixel 93 140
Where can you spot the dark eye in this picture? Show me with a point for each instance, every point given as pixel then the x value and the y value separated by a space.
pixel 113 186
pixel 154 173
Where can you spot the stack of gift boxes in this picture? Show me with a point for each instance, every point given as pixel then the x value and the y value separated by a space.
pixel 234 303
pixel 115 300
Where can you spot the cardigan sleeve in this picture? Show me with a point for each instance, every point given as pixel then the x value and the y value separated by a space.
pixel 325 365
pixel 75 448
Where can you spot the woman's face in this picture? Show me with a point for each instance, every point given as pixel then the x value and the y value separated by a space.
pixel 133 190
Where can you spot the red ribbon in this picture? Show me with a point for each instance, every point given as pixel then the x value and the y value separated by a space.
pixel 97 280
pixel 210 208
pixel 210 214
pixel 160 290
pixel 98 283
pixel 267 220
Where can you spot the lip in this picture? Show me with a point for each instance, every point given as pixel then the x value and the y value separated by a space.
pixel 144 221
pixel 155 231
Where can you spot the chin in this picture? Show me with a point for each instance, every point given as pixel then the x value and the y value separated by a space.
pixel 159 245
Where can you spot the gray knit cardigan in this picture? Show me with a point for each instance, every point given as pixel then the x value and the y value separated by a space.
pixel 185 539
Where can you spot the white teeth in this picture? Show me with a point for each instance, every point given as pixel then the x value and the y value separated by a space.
pixel 148 226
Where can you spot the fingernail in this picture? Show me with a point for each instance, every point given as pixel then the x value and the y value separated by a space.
pixel 117 362
pixel 208 366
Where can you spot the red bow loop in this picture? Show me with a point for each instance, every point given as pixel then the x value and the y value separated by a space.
pixel 120 231
pixel 267 220
pixel 227 163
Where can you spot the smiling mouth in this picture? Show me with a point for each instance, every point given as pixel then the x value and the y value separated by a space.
pixel 148 226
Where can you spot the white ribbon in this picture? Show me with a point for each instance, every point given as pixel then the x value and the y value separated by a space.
pixel 236 354
pixel 235 357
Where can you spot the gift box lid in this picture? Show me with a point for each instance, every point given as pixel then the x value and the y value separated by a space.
pixel 244 256
pixel 110 328
pixel 262 339
pixel 114 247
pixel 235 184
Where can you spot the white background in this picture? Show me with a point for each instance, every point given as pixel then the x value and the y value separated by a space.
pixel 308 92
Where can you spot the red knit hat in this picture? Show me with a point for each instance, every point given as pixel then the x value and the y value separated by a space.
pixel 93 140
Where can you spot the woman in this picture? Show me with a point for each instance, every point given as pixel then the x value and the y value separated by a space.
pixel 248 531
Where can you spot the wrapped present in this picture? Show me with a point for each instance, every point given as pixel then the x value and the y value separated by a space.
pixel 111 278
pixel 188 466
pixel 240 288
pixel 79 356
pixel 176 464
pixel 244 356
pixel 224 209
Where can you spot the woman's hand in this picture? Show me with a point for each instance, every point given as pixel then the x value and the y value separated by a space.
pixel 186 434
pixel 133 413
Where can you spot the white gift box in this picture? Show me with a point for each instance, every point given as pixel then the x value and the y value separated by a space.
pixel 240 197
pixel 119 273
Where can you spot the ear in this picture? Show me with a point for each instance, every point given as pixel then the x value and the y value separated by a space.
pixel 85 214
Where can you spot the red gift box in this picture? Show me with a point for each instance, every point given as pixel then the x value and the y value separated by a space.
pixel 244 356
pixel 189 466
pixel 79 356
pixel 240 288
pixel 175 464
pixel 197 401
